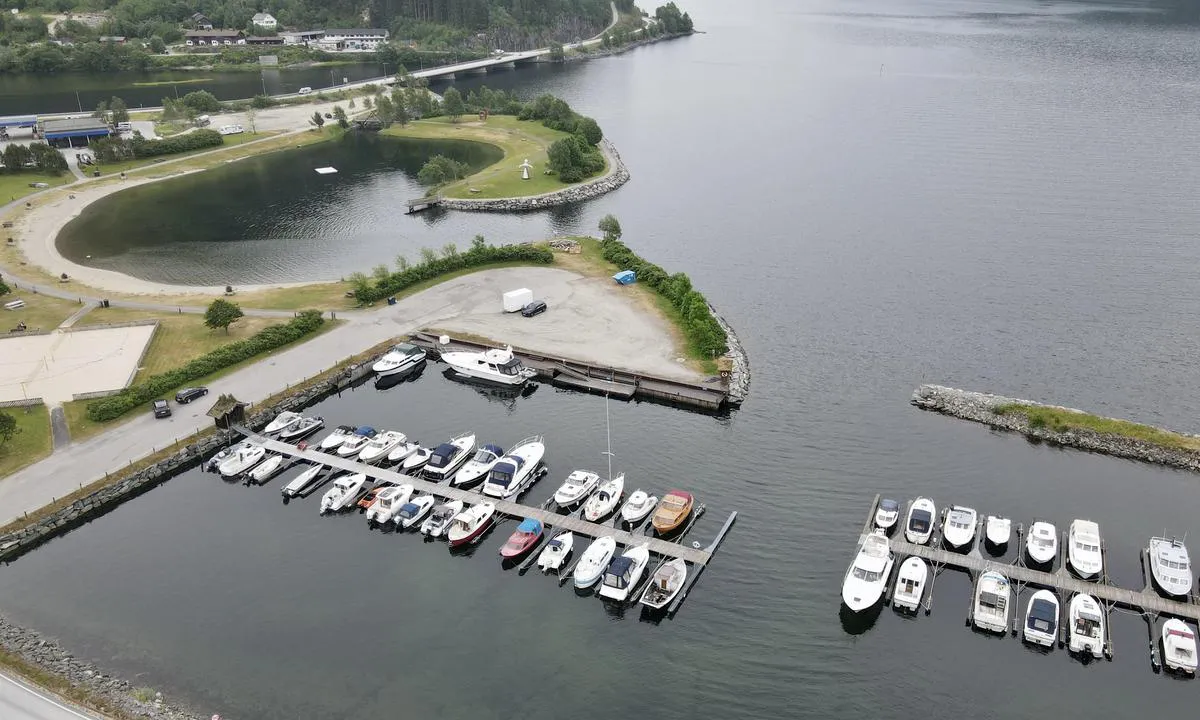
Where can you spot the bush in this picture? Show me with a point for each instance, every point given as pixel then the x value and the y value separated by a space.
pixel 365 291
pixel 186 142
pixel 202 101
pixel 267 339
pixel 4 289
pixel 441 169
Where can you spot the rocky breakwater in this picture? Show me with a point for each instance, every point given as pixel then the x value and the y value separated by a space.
pixel 1004 413
pixel 739 375
pixel 616 176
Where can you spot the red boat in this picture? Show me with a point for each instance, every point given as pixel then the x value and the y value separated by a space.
pixel 469 524
pixel 525 537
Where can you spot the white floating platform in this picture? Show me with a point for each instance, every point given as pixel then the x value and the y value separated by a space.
pixel 326 171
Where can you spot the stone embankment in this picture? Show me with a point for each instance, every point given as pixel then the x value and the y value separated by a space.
pixel 981 408
pixel 617 176
pixel 739 376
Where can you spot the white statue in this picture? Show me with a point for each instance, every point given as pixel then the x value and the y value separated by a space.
pixel 525 166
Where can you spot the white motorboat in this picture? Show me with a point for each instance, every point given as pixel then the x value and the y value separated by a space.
pixel 245 456
pixel 1083 549
pixel 388 503
pixel 215 461
pixel 594 561
pixel 401 452
pixel 886 514
pixel 556 552
pixel 496 365
pixel 265 469
pixel 918 526
pixel 578 485
pixel 665 584
pixel 638 506
pixel 516 471
pixel 478 467
pixel 282 421
pixel 378 447
pixel 1086 625
pixel 448 457
pixel 1179 647
pixel 993 597
pixel 998 530
pixel 1042 542
pixel 624 573
pixel 414 511
pixel 959 529
pixel 416 460
pixel 335 438
pixel 357 441
pixel 910 584
pixel 307 426
pixel 1041 619
pixel 441 517
pixel 470 524
pixel 400 358
pixel 867 576
pixel 601 503
pixel 1170 566
pixel 344 492
pixel 302 481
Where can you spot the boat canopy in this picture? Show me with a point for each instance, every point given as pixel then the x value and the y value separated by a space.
pixel 530 525
pixel 618 571
pixel 442 454
pixel 408 349
pixel 502 473
pixel 920 520
pixel 409 509
pixel 1044 610
pixel 365 430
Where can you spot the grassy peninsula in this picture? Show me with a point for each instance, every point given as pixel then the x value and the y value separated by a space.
pixel 1063 420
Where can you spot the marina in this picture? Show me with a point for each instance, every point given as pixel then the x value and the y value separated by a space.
pixel 1147 602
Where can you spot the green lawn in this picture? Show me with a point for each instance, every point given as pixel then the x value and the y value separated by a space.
pixel 517 139
pixel 40 312
pixel 14 186
pixel 32 441
pixel 1060 420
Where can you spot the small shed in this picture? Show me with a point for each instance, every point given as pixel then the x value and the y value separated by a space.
pixel 228 411
pixel 625 277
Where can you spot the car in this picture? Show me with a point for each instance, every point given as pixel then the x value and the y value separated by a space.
pixel 534 308
pixel 305 90
pixel 161 408
pixel 186 395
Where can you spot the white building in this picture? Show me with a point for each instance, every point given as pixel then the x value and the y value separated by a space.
pixel 353 39
pixel 264 20
pixel 301 37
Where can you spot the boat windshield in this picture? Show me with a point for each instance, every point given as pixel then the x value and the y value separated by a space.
pixel 484 455
pixel 1086 547
pixel 866 575
pixel 511 367
pixel 408 511
pixel 889 505
pixel 1043 541
pixel 501 476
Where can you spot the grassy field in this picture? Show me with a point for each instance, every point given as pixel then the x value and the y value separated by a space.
pixel 32 441
pixel 14 186
pixel 517 139
pixel 1060 420
pixel 40 312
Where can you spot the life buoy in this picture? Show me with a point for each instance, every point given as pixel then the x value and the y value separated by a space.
pixel 302 445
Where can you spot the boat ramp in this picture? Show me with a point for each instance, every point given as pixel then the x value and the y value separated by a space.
pixel 697 556
pixel 1146 602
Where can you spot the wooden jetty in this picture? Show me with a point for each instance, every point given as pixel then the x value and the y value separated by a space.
pixel 697 557
pixel 614 382
pixel 425 203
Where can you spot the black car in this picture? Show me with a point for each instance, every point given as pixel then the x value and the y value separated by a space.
pixel 161 409
pixel 534 308
pixel 186 395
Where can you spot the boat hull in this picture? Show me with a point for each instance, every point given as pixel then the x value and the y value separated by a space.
pixel 473 535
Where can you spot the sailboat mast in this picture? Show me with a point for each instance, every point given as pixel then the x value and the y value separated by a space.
pixel 608 433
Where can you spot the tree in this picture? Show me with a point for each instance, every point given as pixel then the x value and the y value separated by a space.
pixel 611 227
pixel 221 314
pixel 441 169
pixel 381 273
pixel 400 113
pixel 317 120
pixel 401 263
pixel 339 114
pixel 453 105
pixel 118 111
pixel 157 45
pixel 202 101
pixel 557 54
pixel 4 290
pixel 251 116
pixel 385 110
pixel 8 428
pixel 589 130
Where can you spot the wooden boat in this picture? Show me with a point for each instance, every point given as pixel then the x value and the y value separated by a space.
pixel 674 509
pixel 366 501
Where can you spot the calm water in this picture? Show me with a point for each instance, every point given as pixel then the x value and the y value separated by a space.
pixel 989 195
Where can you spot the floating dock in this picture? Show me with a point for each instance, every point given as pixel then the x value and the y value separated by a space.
pixel 1147 602
pixel 614 382
pixel 424 203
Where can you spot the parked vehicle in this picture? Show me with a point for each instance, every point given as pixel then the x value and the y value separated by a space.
pixel 161 409
pixel 186 395
pixel 536 307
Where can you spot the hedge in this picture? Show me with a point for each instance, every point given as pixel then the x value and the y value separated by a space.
pixel 478 255
pixel 269 338
pixel 702 330
pixel 186 142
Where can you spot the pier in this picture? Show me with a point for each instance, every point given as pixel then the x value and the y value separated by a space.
pixel 614 382
pixel 426 203
pixel 1146 602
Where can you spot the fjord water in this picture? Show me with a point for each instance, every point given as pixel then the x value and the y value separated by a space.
pixel 996 196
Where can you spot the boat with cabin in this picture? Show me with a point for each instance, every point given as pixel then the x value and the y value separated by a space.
pixel 378 447
pixel 1087 630
pixel 343 493
pixel 1170 566
pixel 910 584
pixel 603 502
pixel 1084 549
pixel 448 457
pixel 638 506
pixel 1041 619
pixel 357 441
pixel 624 572
pixel 959 529
pixel 886 514
pixel 997 530
pixel 993 600
pixel 282 421
pixel 478 467
pixel 556 552
pixel 575 489
pixel 665 584
pixel 470 524
pixel 672 511
pixel 522 540
pixel 400 358
pixel 335 438
pixel 594 562
pixel 388 502
pixel 918 526
pixel 498 365
pixel 516 471
pixel 414 511
pixel 867 576
pixel 1041 544
pixel 439 520
pixel 245 456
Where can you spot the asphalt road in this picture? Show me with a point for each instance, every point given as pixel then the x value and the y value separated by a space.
pixel 20 701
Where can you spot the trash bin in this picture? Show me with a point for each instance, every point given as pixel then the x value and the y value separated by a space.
pixel 95 173
pixel 392 300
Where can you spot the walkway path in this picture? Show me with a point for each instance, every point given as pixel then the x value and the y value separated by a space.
pixel 22 701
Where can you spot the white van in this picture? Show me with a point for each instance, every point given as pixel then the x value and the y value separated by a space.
pixel 305 90
pixel 203 120
pixel 124 127
pixel 231 129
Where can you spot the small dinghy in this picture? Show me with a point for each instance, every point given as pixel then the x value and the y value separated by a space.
pixel 993 596
pixel 998 530
pixel 307 426
pixel 594 561
pixel 1179 647
pixel 918 526
pixel 414 511
pixel 335 438
pixel 575 489
pixel 416 460
pixel 282 421
pixel 602 502
pixel 910 584
pixel 886 514
pixel 437 523
pixel 1042 543
pixel 1087 626
pixel 402 452
pixel 265 469
pixel 1170 566
pixel 959 528
pixel 1041 619
pixel 665 584
pixel 556 552
pixel 638 506
pixel 302 482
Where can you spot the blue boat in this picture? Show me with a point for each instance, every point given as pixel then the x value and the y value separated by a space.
pixel 625 277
